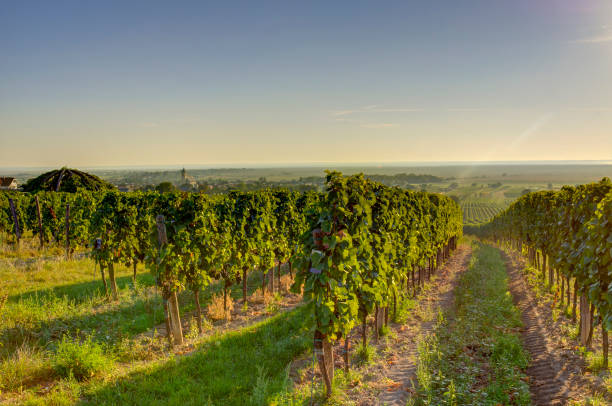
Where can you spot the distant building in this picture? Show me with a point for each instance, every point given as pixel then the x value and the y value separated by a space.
pixel 187 182
pixel 8 183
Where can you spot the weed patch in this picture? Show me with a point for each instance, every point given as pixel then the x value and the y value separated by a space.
pixel 80 359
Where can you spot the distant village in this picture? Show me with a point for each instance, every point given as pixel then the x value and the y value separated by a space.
pixel 188 183
pixel 209 183
pixel 168 181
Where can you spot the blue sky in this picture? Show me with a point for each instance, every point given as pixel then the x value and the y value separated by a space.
pixel 89 83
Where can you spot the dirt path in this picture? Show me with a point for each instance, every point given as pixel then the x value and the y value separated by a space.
pixel 555 371
pixel 402 372
pixel 390 379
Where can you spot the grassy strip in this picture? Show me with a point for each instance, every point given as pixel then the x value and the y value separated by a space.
pixel 474 357
pixel 246 367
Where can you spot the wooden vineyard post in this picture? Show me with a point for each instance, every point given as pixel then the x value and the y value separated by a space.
pixel 175 319
pixel 585 320
pixel 364 330
pixel 171 299
pixel 113 280
pixel 376 323
pixel 589 341
pixel 604 345
pixel 104 280
pixel 394 306
pixel 67 231
pixel 264 279
pixel 551 278
pixel 562 291
pixel 167 317
pixel 379 318
pixel 97 247
pixel 162 239
pixel 347 362
pixel 196 296
pixel 244 286
pixel 386 311
pixel 226 285
pixel 325 357
pixel 568 291
pixel 15 221
pixel 40 229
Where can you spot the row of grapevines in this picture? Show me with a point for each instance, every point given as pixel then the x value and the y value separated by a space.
pixel 571 229
pixel 187 240
pixel 365 242
pixel 64 217
pixel 220 237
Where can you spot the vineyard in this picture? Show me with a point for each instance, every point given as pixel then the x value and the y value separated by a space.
pixel 306 203
pixel 353 252
pixel 567 236
pixel 479 212
pixel 327 288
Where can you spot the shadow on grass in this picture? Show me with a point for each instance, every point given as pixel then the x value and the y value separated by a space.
pixel 237 368
pixel 82 291
pixel 83 310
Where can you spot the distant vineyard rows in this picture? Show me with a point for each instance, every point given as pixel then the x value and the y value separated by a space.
pixel 475 213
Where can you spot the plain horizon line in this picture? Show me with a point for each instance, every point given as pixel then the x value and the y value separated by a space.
pixel 243 165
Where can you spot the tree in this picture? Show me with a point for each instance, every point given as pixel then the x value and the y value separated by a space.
pixel 66 180
pixel 165 187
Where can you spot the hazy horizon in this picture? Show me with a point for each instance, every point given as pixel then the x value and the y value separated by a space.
pixel 271 165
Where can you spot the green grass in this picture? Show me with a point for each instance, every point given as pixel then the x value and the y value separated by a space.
pixel 29 247
pixel 474 356
pixel 62 298
pixel 45 300
pixel 237 368
pixel 80 359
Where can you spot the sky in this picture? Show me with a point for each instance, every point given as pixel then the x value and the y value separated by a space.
pixel 95 83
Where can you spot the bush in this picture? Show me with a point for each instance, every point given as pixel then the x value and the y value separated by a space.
pixel 82 360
